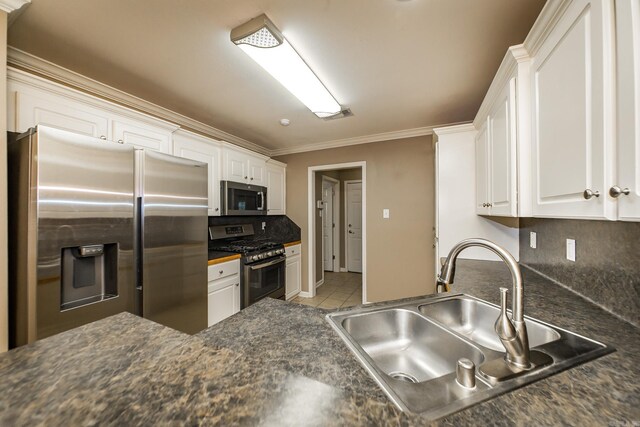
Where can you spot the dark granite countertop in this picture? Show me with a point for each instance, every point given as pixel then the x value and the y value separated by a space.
pixel 279 363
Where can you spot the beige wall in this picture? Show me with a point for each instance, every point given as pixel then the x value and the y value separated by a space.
pixel 4 315
pixel 400 177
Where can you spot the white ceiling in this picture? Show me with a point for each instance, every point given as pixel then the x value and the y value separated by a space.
pixel 397 64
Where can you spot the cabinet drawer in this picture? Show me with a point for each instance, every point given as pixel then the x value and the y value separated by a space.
pixel 225 269
pixel 216 285
pixel 293 250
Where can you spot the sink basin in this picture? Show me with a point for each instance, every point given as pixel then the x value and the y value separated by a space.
pixel 408 347
pixel 412 349
pixel 475 319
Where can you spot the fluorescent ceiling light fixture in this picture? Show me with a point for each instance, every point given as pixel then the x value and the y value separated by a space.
pixel 265 44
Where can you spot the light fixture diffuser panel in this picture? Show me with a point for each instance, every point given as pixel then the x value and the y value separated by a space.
pixel 286 66
pixel 263 38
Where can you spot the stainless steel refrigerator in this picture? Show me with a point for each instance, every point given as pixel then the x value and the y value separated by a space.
pixel 97 228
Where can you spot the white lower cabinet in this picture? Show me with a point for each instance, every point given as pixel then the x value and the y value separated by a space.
pixel 223 293
pixel 293 273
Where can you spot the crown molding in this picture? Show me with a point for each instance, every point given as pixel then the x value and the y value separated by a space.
pixel 467 127
pixel 366 139
pixel 11 5
pixel 32 64
pixel 515 56
pixel 547 20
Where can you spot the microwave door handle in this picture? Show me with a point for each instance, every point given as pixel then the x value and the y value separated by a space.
pixel 261 207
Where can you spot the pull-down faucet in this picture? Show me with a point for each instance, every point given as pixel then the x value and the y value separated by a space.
pixel 512 332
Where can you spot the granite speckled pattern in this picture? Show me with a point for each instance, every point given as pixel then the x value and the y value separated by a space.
pixel 278 363
pixel 279 228
pixel 607 266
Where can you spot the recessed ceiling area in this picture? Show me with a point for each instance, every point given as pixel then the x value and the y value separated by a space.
pixel 396 64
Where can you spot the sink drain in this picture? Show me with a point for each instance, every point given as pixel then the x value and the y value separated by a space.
pixel 403 377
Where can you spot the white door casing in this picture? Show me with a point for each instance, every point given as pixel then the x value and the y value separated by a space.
pixel 354 225
pixel 327 224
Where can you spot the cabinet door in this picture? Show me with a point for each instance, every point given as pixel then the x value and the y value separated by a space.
pixel 276 190
pixel 142 135
pixel 572 95
pixel 257 171
pixel 502 154
pixel 196 148
pixel 224 300
pixel 628 111
pixel 235 166
pixel 482 170
pixel 32 110
pixel 293 276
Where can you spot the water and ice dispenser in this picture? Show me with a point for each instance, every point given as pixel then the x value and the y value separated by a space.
pixel 89 274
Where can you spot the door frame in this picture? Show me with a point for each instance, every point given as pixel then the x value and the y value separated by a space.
pixel 346 232
pixel 335 204
pixel 311 224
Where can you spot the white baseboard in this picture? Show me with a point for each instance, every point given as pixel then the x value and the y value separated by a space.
pixel 319 283
pixel 343 270
pixel 304 294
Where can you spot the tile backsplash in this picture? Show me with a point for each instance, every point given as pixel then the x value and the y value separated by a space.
pixel 607 265
pixel 277 227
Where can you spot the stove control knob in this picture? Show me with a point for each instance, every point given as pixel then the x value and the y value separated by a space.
pixel 270 253
pixel 261 256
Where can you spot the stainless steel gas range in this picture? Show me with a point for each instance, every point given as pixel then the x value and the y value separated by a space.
pixel 262 261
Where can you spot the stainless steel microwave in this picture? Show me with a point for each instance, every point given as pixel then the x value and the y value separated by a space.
pixel 237 198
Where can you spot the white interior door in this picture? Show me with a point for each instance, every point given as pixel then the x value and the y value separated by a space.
pixel 354 226
pixel 327 224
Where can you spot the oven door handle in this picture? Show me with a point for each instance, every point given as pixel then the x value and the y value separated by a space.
pixel 268 263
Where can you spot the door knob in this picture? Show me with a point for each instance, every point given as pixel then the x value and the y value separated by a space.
pixel 588 193
pixel 350 232
pixel 616 191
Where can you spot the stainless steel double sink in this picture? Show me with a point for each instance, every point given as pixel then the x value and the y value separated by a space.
pixel 412 350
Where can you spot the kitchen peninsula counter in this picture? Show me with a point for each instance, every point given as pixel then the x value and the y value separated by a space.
pixel 280 363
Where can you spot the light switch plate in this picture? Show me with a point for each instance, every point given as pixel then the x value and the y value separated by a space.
pixel 533 240
pixel 385 213
pixel 571 250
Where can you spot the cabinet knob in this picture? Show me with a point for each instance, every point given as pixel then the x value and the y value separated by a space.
pixel 485 205
pixel 246 177
pixel 588 193
pixel 237 284
pixel 221 271
pixel 251 178
pixel 103 137
pixel 120 141
pixel 616 191
pixel 489 205
pixel 217 209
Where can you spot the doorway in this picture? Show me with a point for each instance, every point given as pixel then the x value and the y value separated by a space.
pixel 329 278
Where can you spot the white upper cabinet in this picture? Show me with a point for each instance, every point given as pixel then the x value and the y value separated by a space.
pixel 143 135
pixel 502 140
pixel 196 147
pixel 276 188
pixel 482 170
pixel 243 166
pixel 628 110
pixel 32 108
pixel 572 88
pixel 257 171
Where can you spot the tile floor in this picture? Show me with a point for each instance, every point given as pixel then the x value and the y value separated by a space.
pixel 338 290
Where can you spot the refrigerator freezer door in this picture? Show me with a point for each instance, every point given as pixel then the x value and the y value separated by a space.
pixel 174 241
pixel 70 194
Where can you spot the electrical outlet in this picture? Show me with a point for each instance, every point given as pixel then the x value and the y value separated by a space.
pixel 385 213
pixel 571 250
pixel 264 225
pixel 533 240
